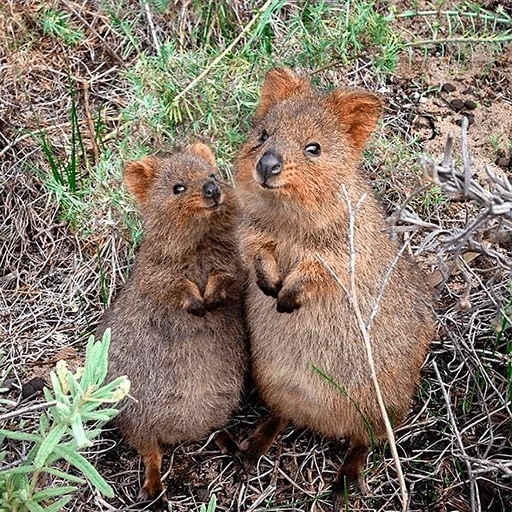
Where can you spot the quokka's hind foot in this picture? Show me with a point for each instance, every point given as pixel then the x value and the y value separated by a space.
pixel 350 473
pixel 153 489
pixel 158 500
pixel 227 444
pixel 259 442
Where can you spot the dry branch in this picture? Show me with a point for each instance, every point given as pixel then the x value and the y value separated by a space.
pixel 488 230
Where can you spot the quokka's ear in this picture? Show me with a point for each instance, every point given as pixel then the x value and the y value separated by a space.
pixel 358 112
pixel 204 152
pixel 280 84
pixel 138 176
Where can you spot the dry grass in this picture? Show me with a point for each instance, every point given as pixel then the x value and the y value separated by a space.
pixel 74 104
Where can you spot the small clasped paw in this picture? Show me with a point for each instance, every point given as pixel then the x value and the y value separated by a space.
pixel 272 290
pixel 288 302
pixel 196 307
pixel 214 302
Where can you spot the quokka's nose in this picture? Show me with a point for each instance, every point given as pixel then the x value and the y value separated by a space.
pixel 211 190
pixel 270 164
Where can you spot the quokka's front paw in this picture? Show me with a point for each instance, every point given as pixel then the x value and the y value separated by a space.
pixel 268 288
pixel 288 301
pixel 196 307
pixel 268 282
pixel 214 301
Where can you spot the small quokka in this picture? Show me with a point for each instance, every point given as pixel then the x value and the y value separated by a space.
pixel 177 328
pixel 303 148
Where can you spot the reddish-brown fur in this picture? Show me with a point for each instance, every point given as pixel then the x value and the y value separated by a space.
pixel 289 220
pixel 177 329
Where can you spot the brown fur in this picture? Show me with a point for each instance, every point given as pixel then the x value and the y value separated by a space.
pixel 177 329
pixel 285 227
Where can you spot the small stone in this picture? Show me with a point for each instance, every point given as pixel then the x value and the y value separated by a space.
pixel 447 87
pixel 457 104
pixel 470 104
pixel 468 91
pixel 32 387
pixel 504 162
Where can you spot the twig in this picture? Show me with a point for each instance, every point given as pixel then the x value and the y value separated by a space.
pixel 149 16
pixel 25 136
pixel 472 482
pixel 466 161
pixel 217 59
pixel 366 337
pixel 25 410
pixel 452 40
pixel 376 304
pixel 90 122
pixel 494 216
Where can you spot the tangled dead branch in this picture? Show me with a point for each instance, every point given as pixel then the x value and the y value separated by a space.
pixel 488 228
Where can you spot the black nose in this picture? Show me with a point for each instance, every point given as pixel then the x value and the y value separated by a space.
pixel 211 190
pixel 270 164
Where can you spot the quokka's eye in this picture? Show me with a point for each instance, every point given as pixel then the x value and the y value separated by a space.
pixel 263 136
pixel 179 189
pixel 313 149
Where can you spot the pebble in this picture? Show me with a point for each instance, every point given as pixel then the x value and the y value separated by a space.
pixel 457 104
pixel 504 162
pixel 471 119
pixel 32 387
pixel 470 104
pixel 447 87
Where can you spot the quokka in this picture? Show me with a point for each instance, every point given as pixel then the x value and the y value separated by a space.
pixel 177 328
pixel 304 146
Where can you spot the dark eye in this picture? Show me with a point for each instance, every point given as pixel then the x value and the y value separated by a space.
pixel 263 136
pixel 179 189
pixel 313 149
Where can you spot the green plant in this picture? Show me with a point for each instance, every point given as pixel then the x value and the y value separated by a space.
pixel 77 405
pixel 212 505
pixel 58 24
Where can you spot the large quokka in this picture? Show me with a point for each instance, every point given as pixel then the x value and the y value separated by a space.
pixel 304 146
pixel 177 329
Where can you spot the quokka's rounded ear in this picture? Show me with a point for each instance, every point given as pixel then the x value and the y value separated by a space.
pixel 138 176
pixel 204 152
pixel 358 111
pixel 280 84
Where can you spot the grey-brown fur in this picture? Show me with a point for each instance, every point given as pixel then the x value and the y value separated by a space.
pixel 177 329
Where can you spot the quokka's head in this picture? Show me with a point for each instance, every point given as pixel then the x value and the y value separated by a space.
pixel 304 144
pixel 181 191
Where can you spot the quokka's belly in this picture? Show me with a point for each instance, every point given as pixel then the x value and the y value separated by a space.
pixel 309 366
pixel 184 387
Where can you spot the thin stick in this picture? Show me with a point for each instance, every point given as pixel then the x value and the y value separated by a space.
pixel 25 410
pixel 449 40
pixel 90 122
pixel 466 161
pixel 368 345
pixel 233 43
pixel 377 302
pixel 30 134
pixel 472 482
pixel 152 27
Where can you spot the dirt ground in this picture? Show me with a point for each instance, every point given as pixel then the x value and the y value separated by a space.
pixel 54 281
